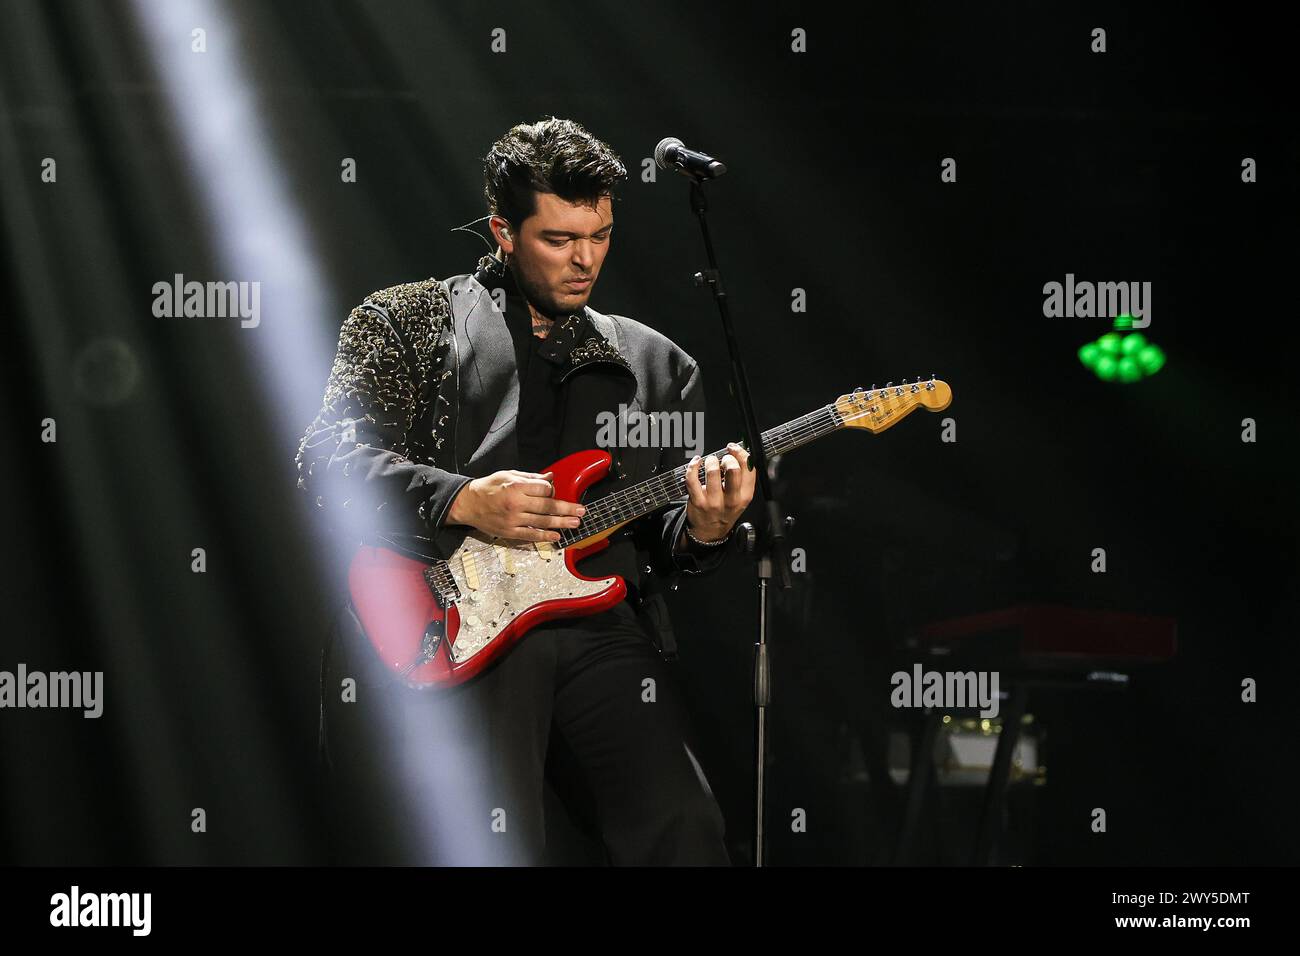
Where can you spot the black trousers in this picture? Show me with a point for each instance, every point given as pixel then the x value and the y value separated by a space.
pixel 459 776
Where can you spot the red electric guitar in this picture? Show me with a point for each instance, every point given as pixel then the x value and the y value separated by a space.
pixel 439 624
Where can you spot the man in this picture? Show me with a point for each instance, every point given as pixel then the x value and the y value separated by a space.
pixel 445 402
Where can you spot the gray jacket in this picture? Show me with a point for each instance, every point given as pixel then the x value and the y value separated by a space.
pixel 423 396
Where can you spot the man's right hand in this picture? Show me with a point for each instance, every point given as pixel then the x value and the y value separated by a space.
pixel 518 505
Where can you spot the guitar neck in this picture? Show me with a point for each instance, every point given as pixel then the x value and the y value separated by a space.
pixel 873 410
pixel 650 495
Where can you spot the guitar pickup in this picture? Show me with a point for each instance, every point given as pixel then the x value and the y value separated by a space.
pixel 470 569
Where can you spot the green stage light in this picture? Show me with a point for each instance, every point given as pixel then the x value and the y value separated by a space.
pixel 1132 342
pixel 1151 359
pixel 1122 354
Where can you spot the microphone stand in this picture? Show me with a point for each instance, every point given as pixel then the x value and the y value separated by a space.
pixel 768 547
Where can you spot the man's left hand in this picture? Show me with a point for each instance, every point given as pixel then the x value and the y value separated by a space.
pixel 714 507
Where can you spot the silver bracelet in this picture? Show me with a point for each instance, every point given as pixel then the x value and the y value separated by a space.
pixel 708 544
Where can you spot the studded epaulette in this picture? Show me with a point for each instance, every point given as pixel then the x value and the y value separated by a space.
pixel 388 370
pixel 421 314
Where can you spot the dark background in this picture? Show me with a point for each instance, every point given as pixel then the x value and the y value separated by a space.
pixel 1116 167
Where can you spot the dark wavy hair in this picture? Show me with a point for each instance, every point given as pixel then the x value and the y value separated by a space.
pixel 550 156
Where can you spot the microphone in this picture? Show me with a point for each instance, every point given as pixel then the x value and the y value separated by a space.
pixel 672 154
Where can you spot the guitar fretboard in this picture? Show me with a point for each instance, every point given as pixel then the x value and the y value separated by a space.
pixel 662 490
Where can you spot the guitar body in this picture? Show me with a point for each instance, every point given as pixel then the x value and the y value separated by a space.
pixel 438 625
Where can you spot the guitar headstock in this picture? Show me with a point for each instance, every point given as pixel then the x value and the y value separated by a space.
pixel 876 409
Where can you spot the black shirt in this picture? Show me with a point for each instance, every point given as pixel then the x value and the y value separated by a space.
pixel 540 411
pixel 541 363
pixel 541 399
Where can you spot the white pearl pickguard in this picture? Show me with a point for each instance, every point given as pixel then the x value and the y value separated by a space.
pixel 500 580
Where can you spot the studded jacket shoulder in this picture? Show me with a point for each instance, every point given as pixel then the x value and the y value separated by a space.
pixel 364 461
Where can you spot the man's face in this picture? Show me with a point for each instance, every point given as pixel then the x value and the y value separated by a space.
pixel 561 242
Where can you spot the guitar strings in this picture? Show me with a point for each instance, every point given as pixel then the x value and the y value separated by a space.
pixel 792 434
pixel 610 507
pixel 805 427
pixel 615 505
